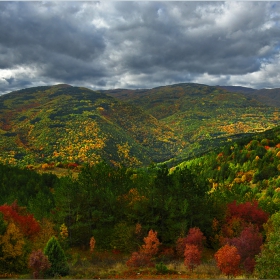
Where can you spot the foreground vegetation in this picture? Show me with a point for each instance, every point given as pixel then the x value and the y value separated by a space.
pixel 210 216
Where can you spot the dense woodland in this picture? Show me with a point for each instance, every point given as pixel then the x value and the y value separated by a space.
pixel 218 211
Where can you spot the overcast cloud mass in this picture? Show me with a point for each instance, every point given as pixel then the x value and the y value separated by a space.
pixel 102 45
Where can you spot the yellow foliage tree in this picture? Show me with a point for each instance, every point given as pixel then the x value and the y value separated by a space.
pixel 63 231
pixel 12 252
pixel 12 242
pixel 46 232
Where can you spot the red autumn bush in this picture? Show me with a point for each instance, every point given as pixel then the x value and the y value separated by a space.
pixel 140 260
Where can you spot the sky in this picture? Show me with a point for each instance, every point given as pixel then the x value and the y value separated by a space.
pixel 113 44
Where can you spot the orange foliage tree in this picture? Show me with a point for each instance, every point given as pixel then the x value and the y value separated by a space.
pixel 228 260
pixel 92 244
pixel 147 251
pixel 150 248
pixel 192 256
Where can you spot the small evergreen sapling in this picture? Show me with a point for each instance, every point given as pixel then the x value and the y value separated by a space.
pixel 57 258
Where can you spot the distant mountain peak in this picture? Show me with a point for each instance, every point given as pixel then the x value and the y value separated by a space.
pixel 61 86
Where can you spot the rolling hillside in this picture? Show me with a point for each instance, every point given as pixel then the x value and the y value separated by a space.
pixel 270 97
pixel 135 127
pixel 204 116
pixel 69 124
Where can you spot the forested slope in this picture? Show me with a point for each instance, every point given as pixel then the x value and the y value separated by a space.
pixel 65 124
pixel 204 116
pixel 227 194
pixel 69 124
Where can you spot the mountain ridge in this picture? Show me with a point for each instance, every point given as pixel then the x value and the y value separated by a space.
pixel 134 127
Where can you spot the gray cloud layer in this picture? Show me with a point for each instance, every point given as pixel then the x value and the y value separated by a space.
pixel 138 44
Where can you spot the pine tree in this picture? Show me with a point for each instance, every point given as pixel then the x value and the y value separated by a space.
pixel 57 258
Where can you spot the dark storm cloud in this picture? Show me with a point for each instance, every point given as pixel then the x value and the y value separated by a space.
pixel 138 44
pixel 178 40
pixel 25 27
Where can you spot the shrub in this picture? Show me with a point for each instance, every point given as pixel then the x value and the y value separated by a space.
pixel 38 263
pixel 139 260
pixel 161 268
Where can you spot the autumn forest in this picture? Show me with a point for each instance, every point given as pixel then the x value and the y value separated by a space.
pixel 179 181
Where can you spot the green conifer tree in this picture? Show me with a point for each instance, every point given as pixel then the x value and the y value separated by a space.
pixel 57 258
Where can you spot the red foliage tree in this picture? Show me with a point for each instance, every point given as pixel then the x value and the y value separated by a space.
pixel 180 246
pixel 248 245
pixel 228 260
pixel 194 237
pixel 26 222
pixel 249 212
pixel 192 256
pixel 249 264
